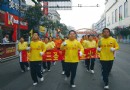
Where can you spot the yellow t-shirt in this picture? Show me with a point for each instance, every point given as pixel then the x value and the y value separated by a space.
pixel 22 46
pixel 106 44
pixel 36 48
pixel 52 43
pixel 49 46
pixel 71 50
pixel 91 44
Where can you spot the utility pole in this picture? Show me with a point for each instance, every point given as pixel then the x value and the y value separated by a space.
pixel 19 15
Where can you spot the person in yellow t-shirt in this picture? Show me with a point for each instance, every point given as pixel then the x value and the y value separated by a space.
pixel 91 43
pixel 37 49
pixel 107 46
pixel 49 46
pixel 22 48
pixel 71 47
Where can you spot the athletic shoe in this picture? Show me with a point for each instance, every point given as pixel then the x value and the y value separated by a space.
pixel 106 87
pixel 49 70
pixel 43 70
pixel 28 68
pixel 92 71
pixel 63 72
pixel 34 84
pixel 66 78
pixel 73 86
pixel 22 71
pixel 42 79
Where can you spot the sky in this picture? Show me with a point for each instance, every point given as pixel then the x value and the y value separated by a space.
pixel 82 17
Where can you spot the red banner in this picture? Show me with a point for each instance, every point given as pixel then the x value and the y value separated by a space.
pixel 58 55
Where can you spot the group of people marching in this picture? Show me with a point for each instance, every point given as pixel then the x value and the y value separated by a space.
pixel 106 47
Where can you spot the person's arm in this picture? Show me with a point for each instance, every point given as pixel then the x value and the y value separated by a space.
pixel 81 47
pixel 116 45
pixel 63 45
pixel 43 47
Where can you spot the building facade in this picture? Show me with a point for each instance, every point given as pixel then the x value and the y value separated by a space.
pixel 117 13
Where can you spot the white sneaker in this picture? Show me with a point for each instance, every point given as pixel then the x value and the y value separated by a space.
pixel 63 72
pixel 28 68
pixel 43 70
pixel 42 79
pixel 66 78
pixel 87 70
pixel 73 86
pixel 106 87
pixel 49 70
pixel 92 71
pixel 54 63
pixel 22 71
pixel 34 84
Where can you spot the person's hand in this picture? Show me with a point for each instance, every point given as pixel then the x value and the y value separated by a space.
pixel 64 43
pixel 98 49
pixel 80 53
pixel 28 48
pixel 41 53
pixel 112 49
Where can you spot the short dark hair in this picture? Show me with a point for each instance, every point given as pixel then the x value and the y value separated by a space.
pixel 72 31
pixel 90 35
pixel 106 29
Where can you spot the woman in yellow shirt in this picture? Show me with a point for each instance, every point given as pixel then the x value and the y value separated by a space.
pixel 49 46
pixel 22 48
pixel 71 47
pixel 37 49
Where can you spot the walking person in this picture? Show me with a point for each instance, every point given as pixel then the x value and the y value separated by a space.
pixel 71 47
pixel 91 43
pixel 37 49
pixel 62 62
pixel 23 59
pixel 107 46
pixel 49 46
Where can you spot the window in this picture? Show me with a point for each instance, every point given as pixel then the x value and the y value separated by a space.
pixel 120 13
pixel 116 15
pixel 112 17
pixel 126 9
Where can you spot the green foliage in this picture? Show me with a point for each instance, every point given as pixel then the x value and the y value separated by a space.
pixel 33 15
pixel 125 31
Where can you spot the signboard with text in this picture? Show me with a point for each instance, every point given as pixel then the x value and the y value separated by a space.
pixel 7 50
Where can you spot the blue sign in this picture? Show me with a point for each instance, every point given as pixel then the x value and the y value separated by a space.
pixel 11 6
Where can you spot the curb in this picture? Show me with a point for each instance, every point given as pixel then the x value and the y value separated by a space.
pixel 8 58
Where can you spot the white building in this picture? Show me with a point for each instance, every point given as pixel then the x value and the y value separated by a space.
pixel 117 13
pixel 54 15
pixel 98 27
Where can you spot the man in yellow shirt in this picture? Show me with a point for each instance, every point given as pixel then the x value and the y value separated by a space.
pixel 71 47
pixel 37 49
pixel 91 43
pixel 22 48
pixel 107 46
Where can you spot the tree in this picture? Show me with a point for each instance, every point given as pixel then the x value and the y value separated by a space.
pixel 33 15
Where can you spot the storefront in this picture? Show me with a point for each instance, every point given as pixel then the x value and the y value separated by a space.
pixel 10 27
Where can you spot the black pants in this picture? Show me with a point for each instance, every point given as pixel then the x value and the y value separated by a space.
pixel 35 70
pixel 71 68
pixel 46 64
pixel 106 69
pixel 23 64
pixel 90 63
pixel 63 65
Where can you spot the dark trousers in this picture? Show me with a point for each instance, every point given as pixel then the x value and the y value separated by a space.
pixel 90 63
pixel 23 64
pixel 106 69
pixel 63 65
pixel 35 70
pixel 71 68
pixel 46 64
